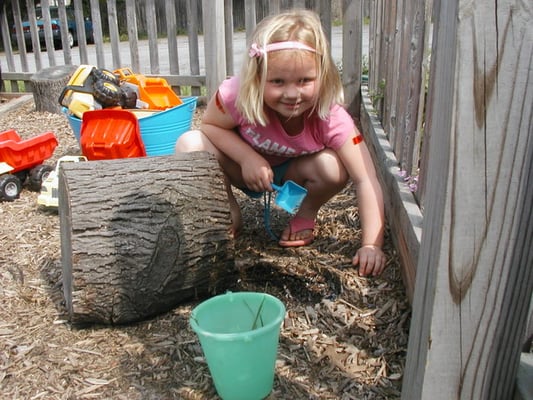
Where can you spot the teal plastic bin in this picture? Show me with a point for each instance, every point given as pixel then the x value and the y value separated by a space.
pixel 159 131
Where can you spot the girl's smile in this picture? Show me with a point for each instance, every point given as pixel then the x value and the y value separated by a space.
pixel 291 84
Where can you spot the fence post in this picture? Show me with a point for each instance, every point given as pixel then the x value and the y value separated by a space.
pixel 47 26
pixel 151 27
pixel 4 27
pixel 228 12
pixel 67 53
pixel 249 17
pixel 81 34
pixel 113 32
pixel 352 49
pixel 215 58
pixel 170 10
pixel 133 40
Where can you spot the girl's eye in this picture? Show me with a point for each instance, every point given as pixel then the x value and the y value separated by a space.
pixel 277 82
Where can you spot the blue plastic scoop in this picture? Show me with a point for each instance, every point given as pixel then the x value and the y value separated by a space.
pixel 290 195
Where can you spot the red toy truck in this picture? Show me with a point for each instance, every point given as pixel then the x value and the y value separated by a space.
pixel 22 159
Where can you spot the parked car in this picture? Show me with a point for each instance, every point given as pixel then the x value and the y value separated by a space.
pixel 56 28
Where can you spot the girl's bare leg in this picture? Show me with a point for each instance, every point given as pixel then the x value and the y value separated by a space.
pixel 323 175
pixel 235 211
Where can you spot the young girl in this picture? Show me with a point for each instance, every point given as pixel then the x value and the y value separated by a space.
pixel 282 120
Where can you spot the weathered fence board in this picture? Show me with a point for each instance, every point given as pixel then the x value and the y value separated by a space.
pixel 99 36
pixel 474 276
pixel 399 46
pixel 214 46
pixel 352 50
pixel 80 28
pixel 403 214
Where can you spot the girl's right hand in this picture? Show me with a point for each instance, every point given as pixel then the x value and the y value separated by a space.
pixel 257 173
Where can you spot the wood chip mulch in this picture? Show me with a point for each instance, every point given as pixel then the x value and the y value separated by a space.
pixel 344 337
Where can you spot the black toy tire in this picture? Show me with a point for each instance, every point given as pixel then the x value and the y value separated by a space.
pixel 22 175
pixel 128 97
pixel 106 93
pixel 10 187
pixel 37 176
pixel 105 75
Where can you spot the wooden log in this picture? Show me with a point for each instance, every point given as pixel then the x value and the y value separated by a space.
pixel 47 85
pixel 142 235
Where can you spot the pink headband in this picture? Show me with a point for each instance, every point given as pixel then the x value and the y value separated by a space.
pixel 256 51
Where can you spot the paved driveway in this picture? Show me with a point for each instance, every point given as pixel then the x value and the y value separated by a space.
pixel 183 54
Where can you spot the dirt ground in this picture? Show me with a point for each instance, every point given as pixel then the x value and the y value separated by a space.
pixel 344 337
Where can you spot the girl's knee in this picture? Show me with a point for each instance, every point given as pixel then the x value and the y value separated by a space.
pixel 323 170
pixel 190 141
pixel 330 169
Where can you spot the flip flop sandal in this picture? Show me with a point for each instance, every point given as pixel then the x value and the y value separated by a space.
pixel 298 224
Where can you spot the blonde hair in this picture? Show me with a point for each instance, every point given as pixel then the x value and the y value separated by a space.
pixel 297 25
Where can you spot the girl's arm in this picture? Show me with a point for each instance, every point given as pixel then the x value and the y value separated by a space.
pixel 219 126
pixel 358 162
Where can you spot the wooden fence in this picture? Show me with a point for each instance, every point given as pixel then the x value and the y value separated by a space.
pixel 398 56
pixel 456 121
pixel 456 124
pixel 400 33
pixel 192 74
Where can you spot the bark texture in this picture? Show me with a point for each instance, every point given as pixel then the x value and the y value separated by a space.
pixel 47 85
pixel 142 235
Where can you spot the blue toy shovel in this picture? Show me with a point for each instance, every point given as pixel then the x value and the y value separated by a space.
pixel 289 197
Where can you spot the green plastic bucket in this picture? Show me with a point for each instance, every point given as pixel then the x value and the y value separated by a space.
pixel 239 335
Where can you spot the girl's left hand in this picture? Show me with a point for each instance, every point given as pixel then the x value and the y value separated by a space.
pixel 371 260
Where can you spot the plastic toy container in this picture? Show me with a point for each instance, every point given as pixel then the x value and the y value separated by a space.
pixel 109 134
pixel 239 335
pixel 74 122
pixel 156 92
pixel 159 129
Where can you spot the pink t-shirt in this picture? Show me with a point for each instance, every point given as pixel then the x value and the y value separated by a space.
pixel 274 143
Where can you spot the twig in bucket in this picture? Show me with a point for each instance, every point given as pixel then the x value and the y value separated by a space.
pixel 258 314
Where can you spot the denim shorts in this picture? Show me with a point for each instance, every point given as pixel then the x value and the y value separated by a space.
pixel 279 173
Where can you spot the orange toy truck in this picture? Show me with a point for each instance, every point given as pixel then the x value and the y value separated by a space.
pixel 155 92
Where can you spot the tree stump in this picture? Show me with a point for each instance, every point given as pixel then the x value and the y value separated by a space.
pixel 47 85
pixel 142 235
